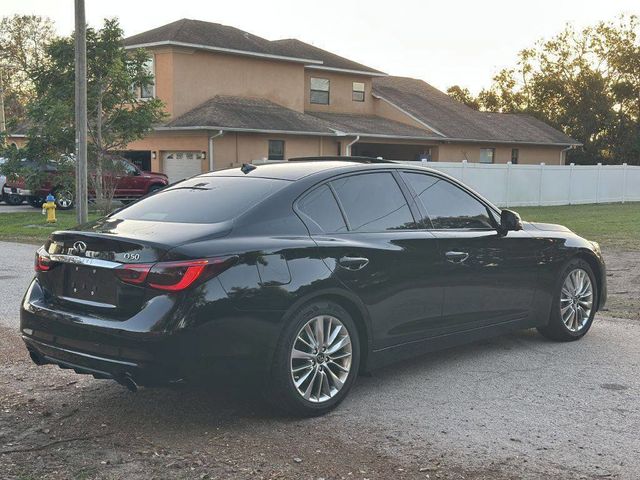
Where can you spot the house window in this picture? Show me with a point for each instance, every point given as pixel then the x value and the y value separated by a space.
pixel 148 91
pixel 276 149
pixel 515 153
pixel 319 91
pixel 487 155
pixel 357 94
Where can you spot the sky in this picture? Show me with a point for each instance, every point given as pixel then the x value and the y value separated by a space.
pixel 444 43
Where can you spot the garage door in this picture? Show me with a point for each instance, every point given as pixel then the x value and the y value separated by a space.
pixel 181 165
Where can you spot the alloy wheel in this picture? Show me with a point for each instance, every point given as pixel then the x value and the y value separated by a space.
pixel 321 358
pixel 64 198
pixel 576 300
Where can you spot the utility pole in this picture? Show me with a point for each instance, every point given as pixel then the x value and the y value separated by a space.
pixel 3 124
pixel 81 113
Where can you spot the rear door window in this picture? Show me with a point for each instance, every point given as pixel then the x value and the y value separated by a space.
pixel 321 212
pixel 448 206
pixel 373 202
pixel 202 200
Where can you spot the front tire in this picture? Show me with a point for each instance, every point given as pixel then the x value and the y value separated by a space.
pixel 574 303
pixel 316 360
pixel 36 202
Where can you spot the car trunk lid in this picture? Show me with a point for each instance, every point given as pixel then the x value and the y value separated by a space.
pixel 84 263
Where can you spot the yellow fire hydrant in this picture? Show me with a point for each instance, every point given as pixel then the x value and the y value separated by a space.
pixel 49 207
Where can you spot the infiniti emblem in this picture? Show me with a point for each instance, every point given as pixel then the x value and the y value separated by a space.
pixel 80 248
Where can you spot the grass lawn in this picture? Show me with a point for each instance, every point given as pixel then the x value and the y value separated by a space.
pixel 612 225
pixel 31 227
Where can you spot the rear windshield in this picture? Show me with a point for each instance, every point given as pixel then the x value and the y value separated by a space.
pixel 202 200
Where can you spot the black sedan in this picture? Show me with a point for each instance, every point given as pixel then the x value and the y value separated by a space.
pixel 304 273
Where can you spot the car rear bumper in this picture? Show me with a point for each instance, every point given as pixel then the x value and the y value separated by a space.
pixel 104 348
pixel 157 346
pixel 121 371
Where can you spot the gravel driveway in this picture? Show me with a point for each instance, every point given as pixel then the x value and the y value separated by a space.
pixel 518 406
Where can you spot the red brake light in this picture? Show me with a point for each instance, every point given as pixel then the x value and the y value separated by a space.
pixel 42 263
pixel 173 276
pixel 176 276
pixel 135 273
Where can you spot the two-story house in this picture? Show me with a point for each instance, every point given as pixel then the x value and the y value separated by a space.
pixel 233 97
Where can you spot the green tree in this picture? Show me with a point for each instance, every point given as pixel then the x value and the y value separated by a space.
pixel 463 95
pixel 116 113
pixel 23 42
pixel 585 83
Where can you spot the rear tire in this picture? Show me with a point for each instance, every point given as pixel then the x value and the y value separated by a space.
pixel 574 303
pixel 308 381
pixel 13 199
pixel 64 199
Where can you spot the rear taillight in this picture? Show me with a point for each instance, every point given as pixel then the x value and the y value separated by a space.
pixel 135 273
pixel 173 276
pixel 42 263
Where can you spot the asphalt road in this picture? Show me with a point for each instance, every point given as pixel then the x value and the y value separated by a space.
pixel 517 406
pixel 25 207
pixel 16 271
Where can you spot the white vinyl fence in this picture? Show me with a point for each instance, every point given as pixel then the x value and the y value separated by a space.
pixel 508 185
pixel 533 185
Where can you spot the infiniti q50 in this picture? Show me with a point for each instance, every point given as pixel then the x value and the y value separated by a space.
pixel 304 272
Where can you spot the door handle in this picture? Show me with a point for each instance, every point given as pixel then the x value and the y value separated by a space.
pixel 353 263
pixel 456 257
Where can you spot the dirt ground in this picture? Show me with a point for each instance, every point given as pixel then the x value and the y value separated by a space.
pixel 55 424
pixel 623 280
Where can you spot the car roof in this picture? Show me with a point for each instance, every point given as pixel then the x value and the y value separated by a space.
pixel 300 168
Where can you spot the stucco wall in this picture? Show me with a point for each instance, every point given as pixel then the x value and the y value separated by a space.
pixel 234 149
pixel 166 142
pixel 340 93
pixel 471 152
pixel 185 78
pixel 20 142
pixel 163 71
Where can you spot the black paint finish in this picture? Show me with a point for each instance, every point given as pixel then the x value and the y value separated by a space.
pixel 410 290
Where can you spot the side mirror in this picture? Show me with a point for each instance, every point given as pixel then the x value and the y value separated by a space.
pixel 510 221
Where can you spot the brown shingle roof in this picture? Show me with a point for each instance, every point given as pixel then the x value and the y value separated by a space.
pixel 457 121
pixel 256 114
pixel 252 114
pixel 292 47
pixel 215 35
pixel 203 33
pixel 371 125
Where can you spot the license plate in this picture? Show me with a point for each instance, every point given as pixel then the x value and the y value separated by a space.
pixel 91 284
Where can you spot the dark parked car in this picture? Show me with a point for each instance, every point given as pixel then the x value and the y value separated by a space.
pixel 131 183
pixel 304 272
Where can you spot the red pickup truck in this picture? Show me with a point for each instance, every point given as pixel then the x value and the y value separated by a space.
pixel 132 183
